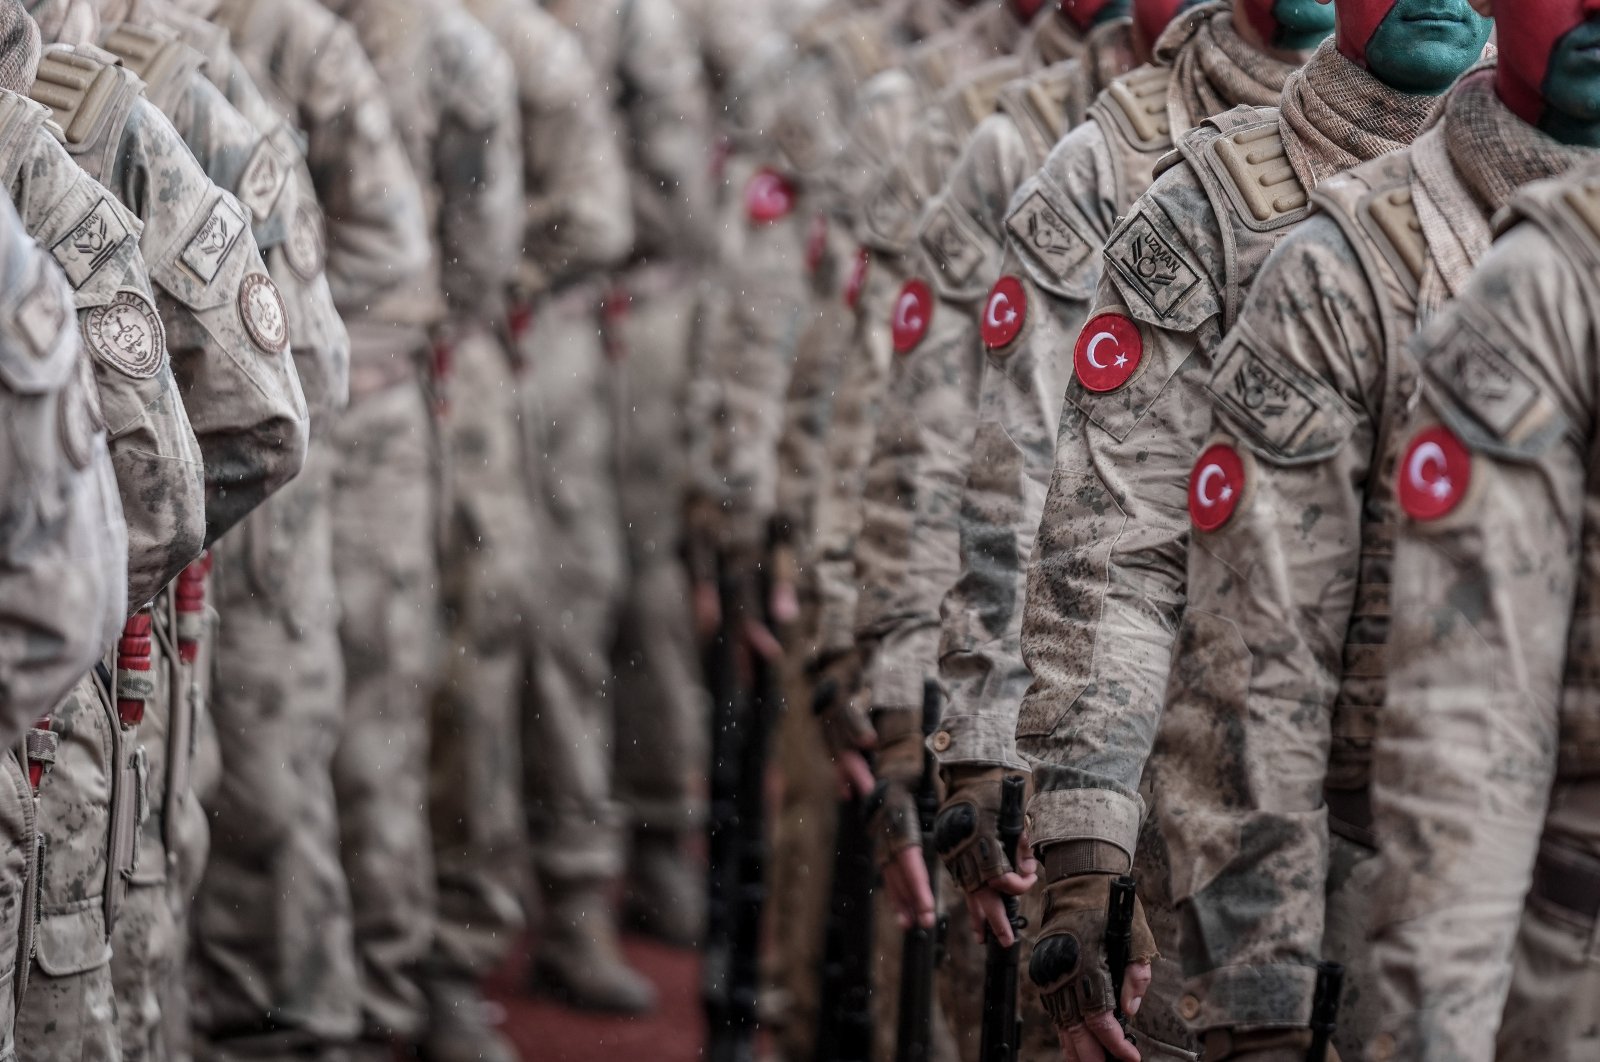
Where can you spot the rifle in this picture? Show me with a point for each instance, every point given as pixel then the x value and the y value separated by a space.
pixel 1325 1009
pixel 920 952
pixel 1119 943
pixel 844 1032
pixel 1002 1028
pixel 722 683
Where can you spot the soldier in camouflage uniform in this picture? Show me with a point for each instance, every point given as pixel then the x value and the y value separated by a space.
pixel 443 71
pixel 283 980
pixel 1480 479
pixel 1177 269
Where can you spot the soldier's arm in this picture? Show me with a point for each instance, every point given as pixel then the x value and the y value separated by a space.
pixel 1273 568
pixel 227 324
pixel 1485 622
pixel 477 169
pixel 376 227
pixel 63 541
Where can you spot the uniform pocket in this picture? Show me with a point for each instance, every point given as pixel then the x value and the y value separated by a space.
pixel 74 941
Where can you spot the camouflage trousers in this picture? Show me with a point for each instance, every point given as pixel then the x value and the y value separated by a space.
pixel 385 566
pixel 573 820
pixel 660 716
pixel 274 969
pixel 17 853
pixel 1352 882
pixel 1162 1033
pixel 961 974
pixel 1553 1010
pixel 475 760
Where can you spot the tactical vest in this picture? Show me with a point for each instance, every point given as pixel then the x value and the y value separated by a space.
pixel 1376 206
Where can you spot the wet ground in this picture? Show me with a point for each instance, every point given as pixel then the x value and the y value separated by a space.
pixel 547 1033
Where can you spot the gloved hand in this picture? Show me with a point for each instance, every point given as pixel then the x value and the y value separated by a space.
pixel 898 767
pixel 1262 1045
pixel 840 706
pixel 967 837
pixel 1069 968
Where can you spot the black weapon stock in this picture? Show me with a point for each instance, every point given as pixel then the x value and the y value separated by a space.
pixel 919 953
pixel 1119 943
pixel 1002 1028
pixel 1325 1010
pixel 722 682
pixel 844 1032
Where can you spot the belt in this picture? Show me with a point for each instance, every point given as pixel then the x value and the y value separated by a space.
pixel 1569 880
pixel 1350 815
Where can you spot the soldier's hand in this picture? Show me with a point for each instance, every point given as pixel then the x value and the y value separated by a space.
pixel 783 600
pixel 707 609
pixel 967 838
pixel 1265 1045
pixel 840 706
pixel 898 767
pixel 1069 968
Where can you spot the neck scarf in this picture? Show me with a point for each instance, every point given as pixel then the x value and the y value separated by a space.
pixel 1493 150
pixel 1214 69
pixel 1336 115
pixel 19 48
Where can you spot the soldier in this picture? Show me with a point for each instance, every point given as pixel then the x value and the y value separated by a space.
pixel 441 69
pixel 576 215
pixel 1177 269
pixel 651 66
pixel 1473 461
pixel 282 981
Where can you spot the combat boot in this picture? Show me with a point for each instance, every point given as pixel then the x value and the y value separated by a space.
pixel 580 961
pixel 460 1024
pixel 666 896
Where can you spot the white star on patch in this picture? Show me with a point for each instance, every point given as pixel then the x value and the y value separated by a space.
pixel 1122 359
pixel 1442 487
pixel 1227 493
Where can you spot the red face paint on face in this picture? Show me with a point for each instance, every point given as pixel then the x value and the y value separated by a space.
pixel 1083 12
pixel 1358 21
pixel 1528 32
pixel 1152 16
pixel 1026 9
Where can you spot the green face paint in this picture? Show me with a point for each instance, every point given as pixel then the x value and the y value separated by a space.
pixel 1572 86
pixel 1420 46
pixel 1298 25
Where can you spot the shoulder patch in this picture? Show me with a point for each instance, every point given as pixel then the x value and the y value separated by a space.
pixel 1217 486
pixel 1152 262
pixel 1486 398
pixel 949 239
pixel 1108 353
pixel 1045 235
pixel 306 247
pixel 1004 313
pixel 1434 474
pixel 42 320
pixel 91 243
pixel 912 316
pixel 1292 416
pixel 768 197
pixel 1584 201
pixel 126 333
pixel 209 247
pixel 263 313
pixel 263 179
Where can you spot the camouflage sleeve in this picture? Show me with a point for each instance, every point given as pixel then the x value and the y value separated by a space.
pixel 669 132
pixel 377 228
pixel 1052 228
pixel 909 551
pixel 478 170
pixel 227 325
pixel 63 540
pixel 1273 570
pixel 1485 623
pixel 577 216
pixel 1106 585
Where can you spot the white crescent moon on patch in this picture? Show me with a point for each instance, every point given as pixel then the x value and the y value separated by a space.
pixel 1429 453
pixel 768 193
pixel 902 312
pixel 1094 344
pixel 999 299
pixel 1207 474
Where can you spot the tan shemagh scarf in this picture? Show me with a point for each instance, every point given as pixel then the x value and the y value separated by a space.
pixel 19 47
pixel 1214 69
pixel 1336 115
pixel 1493 150
pixel 1108 53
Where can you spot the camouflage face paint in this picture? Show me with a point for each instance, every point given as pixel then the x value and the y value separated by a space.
pixel 1549 69
pixel 1291 24
pixel 1416 46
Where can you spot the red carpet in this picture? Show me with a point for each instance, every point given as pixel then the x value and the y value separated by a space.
pixel 547 1033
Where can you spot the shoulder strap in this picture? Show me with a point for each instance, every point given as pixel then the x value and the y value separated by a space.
pixel 88 93
pixel 1045 105
pixel 1137 101
pixel 20 117
pixel 157 57
pixel 1250 161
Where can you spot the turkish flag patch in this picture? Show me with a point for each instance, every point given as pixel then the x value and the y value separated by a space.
pixel 858 278
pixel 1434 474
pixel 768 197
pixel 1005 312
pixel 1108 353
pixel 913 313
pixel 1215 487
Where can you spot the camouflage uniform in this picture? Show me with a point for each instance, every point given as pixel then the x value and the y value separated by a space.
pixel 279 669
pixel 1491 597
pixel 443 72
pixel 227 329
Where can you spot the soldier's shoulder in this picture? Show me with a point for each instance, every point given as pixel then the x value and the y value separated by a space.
pixel 473 75
pixel 1241 154
pixel 1135 106
pixel 157 56
pixel 88 92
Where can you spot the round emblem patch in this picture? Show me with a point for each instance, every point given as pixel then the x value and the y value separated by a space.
pixel 1215 487
pixel 1434 474
pixel 768 197
pixel 1108 353
pixel 913 313
pixel 858 279
pixel 305 247
pixel 127 333
pixel 816 243
pixel 1004 313
pixel 264 315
